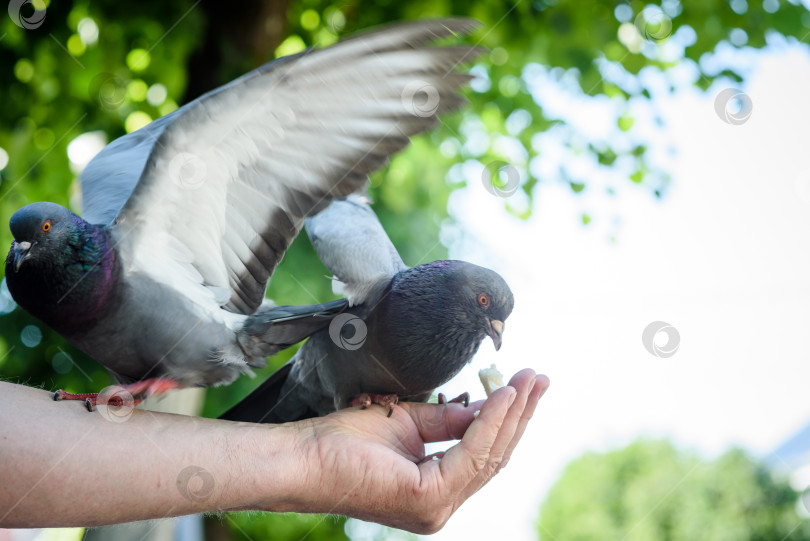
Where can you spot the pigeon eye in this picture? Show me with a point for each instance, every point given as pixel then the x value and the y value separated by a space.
pixel 46 226
pixel 483 299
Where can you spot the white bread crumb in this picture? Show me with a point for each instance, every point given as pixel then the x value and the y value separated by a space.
pixel 491 379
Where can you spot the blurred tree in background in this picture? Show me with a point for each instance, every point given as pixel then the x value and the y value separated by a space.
pixel 78 74
pixel 652 491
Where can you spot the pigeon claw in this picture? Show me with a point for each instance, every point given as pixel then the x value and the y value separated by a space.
pixel 139 391
pixel 388 401
pixel 64 395
pixel 463 398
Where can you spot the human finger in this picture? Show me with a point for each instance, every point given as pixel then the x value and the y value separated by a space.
pixel 539 388
pixel 462 462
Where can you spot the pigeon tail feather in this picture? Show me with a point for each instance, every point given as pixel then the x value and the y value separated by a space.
pixel 261 406
pixel 275 328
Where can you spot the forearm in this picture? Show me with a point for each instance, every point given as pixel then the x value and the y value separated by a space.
pixel 61 465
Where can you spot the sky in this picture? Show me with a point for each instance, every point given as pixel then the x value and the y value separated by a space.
pixel 724 258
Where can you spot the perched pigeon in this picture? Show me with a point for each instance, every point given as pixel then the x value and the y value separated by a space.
pixel 408 331
pixel 163 279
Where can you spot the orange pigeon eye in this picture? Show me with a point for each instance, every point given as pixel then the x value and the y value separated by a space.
pixel 483 299
pixel 46 226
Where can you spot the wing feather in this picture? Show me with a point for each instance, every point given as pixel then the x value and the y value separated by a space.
pixel 232 176
pixel 351 242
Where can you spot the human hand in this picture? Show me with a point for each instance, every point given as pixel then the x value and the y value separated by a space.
pixel 356 463
pixel 363 464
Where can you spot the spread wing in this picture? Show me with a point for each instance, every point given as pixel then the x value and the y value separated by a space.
pixel 110 177
pixel 231 177
pixel 351 242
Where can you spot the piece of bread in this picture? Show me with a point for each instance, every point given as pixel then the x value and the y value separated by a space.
pixel 491 379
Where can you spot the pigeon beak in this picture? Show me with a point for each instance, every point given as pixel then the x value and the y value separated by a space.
pixel 495 332
pixel 20 252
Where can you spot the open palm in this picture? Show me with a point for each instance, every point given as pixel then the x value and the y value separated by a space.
pixel 383 458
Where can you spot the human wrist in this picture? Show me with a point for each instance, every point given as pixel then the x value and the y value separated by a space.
pixel 275 471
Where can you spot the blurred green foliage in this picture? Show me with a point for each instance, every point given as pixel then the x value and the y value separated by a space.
pixel 112 66
pixel 652 491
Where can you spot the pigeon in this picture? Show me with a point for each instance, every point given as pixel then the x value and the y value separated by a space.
pixel 163 278
pixel 406 332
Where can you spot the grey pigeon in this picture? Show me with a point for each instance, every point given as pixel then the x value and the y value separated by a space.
pixel 408 331
pixel 163 278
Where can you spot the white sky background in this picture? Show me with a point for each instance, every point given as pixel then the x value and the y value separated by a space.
pixel 725 258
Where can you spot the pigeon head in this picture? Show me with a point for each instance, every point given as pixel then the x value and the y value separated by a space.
pixel 434 317
pixel 60 268
pixel 485 297
pixel 39 230
pixel 456 302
